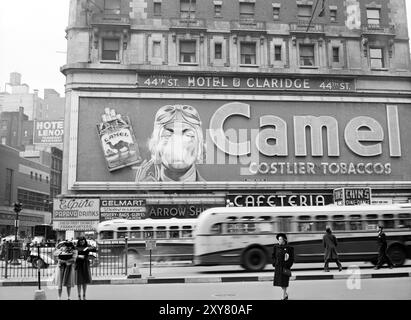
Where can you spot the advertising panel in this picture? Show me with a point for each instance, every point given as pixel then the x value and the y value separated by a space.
pixel 207 141
pixel 76 209
pixel 280 200
pixel 182 211
pixel 352 196
pixel 48 132
pixel 80 225
pixel 123 208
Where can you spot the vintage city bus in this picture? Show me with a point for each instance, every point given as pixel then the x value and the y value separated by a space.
pixel 245 235
pixel 173 239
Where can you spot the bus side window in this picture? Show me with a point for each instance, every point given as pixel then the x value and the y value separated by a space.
pixel 161 232
pixel 284 224
pixel 122 232
pixel 106 235
pixel 355 222
pixel 320 223
pixel 388 221
pixel 404 220
pixel 187 232
pixel 135 233
pixel 174 232
pixel 148 232
pixel 216 228
pixel 338 223
pixel 304 224
pixel 372 221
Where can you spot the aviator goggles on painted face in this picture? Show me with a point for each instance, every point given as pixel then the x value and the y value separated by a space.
pixel 171 113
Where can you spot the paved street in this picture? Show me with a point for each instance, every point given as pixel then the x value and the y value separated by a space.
pixel 373 289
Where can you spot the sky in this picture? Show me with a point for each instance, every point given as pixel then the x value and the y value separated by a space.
pixel 32 42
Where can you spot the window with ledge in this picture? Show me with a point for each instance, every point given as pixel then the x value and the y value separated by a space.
pixel 304 12
pixel 307 55
pixel 112 6
pixel 246 11
pixel 218 51
pixel 217 10
pixel 277 53
pixel 376 58
pixel 157 9
pixel 276 13
pixel 373 17
pixel 333 15
pixel 248 53
pixel 188 51
pixel 156 49
pixel 336 54
pixel 111 50
pixel 187 9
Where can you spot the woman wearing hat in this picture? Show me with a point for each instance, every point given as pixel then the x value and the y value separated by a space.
pixel 283 259
pixel 83 272
pixel 66 255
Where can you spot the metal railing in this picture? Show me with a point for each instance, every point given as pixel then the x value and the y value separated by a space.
pixel 18 262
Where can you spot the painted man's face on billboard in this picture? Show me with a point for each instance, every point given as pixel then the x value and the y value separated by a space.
pixel 178 145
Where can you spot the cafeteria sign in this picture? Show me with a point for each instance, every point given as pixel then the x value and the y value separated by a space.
pixel 352 196
pixel 48 132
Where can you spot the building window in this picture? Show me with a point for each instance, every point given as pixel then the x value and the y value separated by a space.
pixel 188 51
pixel 111 49
pixel 156 49
pixel 246 10
pixel 333 15
pixel 336 54
pixel 8 190
pixel 277 53
pixel 376 58
pixel 33 200
pixel 25 133
pixel 304 12
pixel 187 9
pixel 112 6
pixel 373 17
pixel 157 8
pixel 217 10
pixel 307 55
pixel 276 13
pixel 248 53
pixel 218 51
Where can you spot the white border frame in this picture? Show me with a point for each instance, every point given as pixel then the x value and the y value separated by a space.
pixel 74 185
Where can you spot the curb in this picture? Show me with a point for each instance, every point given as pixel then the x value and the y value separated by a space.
pixel 122 281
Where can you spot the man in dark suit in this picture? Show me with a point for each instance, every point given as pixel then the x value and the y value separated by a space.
pixel 330 253
pixel 382 248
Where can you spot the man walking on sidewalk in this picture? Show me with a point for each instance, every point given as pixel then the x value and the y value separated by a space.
pixel 330 254
pixel 382 248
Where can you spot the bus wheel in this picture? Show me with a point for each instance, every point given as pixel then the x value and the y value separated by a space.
pixel 396 255
pixel 133 257
pixel 254 259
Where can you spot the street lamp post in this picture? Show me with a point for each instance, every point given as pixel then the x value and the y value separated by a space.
pixel 17 208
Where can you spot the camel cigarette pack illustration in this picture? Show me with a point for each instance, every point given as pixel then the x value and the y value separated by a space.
pixel 117 140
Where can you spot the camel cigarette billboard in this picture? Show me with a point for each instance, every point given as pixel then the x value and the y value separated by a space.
pixel 205 141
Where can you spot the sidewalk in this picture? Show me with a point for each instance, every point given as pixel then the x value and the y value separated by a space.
pixel 297 275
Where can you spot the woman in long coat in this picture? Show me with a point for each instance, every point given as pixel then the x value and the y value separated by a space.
pixel 83 273
pixel 330 252
pixel 66 257
pixel 283 258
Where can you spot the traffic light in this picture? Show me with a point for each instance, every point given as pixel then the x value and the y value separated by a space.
pixel 18 206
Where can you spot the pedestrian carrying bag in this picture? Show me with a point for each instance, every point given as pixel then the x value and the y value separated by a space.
pixel 286 272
